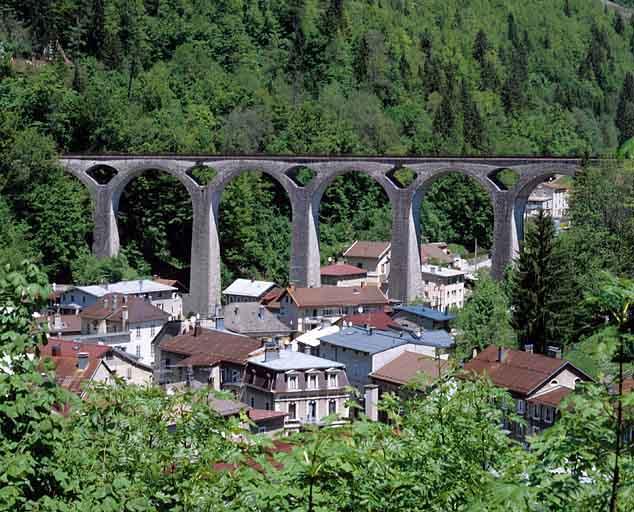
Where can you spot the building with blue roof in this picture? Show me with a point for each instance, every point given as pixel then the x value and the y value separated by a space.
pixel 422 317
pixel 364 351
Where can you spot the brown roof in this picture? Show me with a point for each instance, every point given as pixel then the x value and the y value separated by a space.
pixel 520 372
pixel 377 319
pixel 67 374
pixel 174 283
pixel 110 307
pixel 406 366
pixel 256 415
pixel 435 251
pixel 272 295
pixel 342 270
pixel 212 347
pixel 552 398
pixel 366 249
pixel 337 296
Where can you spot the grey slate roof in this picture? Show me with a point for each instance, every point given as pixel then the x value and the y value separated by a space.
pixel 290 360
pixel 248 288
pixel 360 339
pixel 253 318
pixel 426 312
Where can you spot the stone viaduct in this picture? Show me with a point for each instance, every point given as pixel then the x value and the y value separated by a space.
pixel 405 276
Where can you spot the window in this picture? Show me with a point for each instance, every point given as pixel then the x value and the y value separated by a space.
pixel 332 380
pixel 548 414
pixel 312 382
pixel 109 355
pixel 267 406
pixel 520 407
pixel 235 376
pixel 292 382
pixel 252 402
pixel 554 382
pixel 292 411
pixel 332 407
pixel 129 373
pixel 261 430
pixel 138 332
pixel 138 350
pixel 536 411
pixel 312 410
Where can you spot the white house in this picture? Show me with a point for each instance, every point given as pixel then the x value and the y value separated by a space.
pixel 443 288
pixel 136 319
pixel 374 257
pixel 247 290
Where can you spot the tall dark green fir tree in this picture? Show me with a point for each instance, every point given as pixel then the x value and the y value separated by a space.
pixel 625 110
pixel 535 286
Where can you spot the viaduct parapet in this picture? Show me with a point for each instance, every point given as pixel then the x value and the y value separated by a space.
pixel 405 276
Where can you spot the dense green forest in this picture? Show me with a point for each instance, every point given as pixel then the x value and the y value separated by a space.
pixel 301 76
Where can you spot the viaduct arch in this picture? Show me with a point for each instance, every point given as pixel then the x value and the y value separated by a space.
pixel 405 278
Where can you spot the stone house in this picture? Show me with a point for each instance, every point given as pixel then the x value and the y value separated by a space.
pixel 135 319
pixel 374 257
pixel 207 357
pixel 537 383
pixel 256 320
pixel 305 387
pixel 304 309
pixel 365 350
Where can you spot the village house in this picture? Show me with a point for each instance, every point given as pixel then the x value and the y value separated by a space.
pixel 255 320
pixel 77 364
pixel 307 388
pixel 206 357
pixel 164 297
pixel 552 197
pixel 247 290
pixel 374 257
pixel 365 350
pixel 377 319
pixel 537 383
pixel 126 321
pixel 304 309
pixel 408 367
pixel 308 342
pixel 436 253
pixel 443 288
pixel 342 274
pixel 414 317
pixel 62 326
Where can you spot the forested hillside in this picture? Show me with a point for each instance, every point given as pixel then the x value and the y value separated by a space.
pixel 299 76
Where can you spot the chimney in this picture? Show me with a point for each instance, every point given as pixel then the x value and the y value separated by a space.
pixel 82 360
pixel 105 302
pixel 261 312
pixel 56 350
pixel 124 317
pixel 197 324
pixel 528 348
pixel 271 351
pixel 502 354
pixel 114 302
pixel 474 354
pixel 57 322
pixel 371 401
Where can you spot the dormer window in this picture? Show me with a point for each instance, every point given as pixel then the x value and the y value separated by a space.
pixel 312 381
pixel 332 380
pixel 292 382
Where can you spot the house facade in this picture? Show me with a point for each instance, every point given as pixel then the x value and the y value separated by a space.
pixel 443 288
pixel 304 309
pixel 537 384
pixel 365 350
pixel 306 388
pixel 135 320
pixel 373 257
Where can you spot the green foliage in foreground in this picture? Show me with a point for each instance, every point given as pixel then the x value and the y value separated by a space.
pixel 131 448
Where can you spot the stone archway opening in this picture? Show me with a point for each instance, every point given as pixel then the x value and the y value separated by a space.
pixel 102 174
pixel 550 193
pixel 456 215
pixel 255 229
pixel 154 217
pixel 353 207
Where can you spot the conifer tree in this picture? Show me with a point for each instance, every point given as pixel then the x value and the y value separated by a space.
pixel 625 110
pixel 619 24
pixel 567 8
pixel 535 285
pixel 473 128
pixel 480 46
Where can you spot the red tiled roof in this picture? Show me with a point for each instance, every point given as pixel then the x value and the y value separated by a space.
pixel 67 374
pixel 406 366
pixel 256 415
pixel 434 251
pixel 520 372
pixel 366 249
pixel 272 295
pixel 199 360
pixel 337 296
pixel 215 345
pixel 377 319
pixel 111 307
pixel 341 270
pixel 552 398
